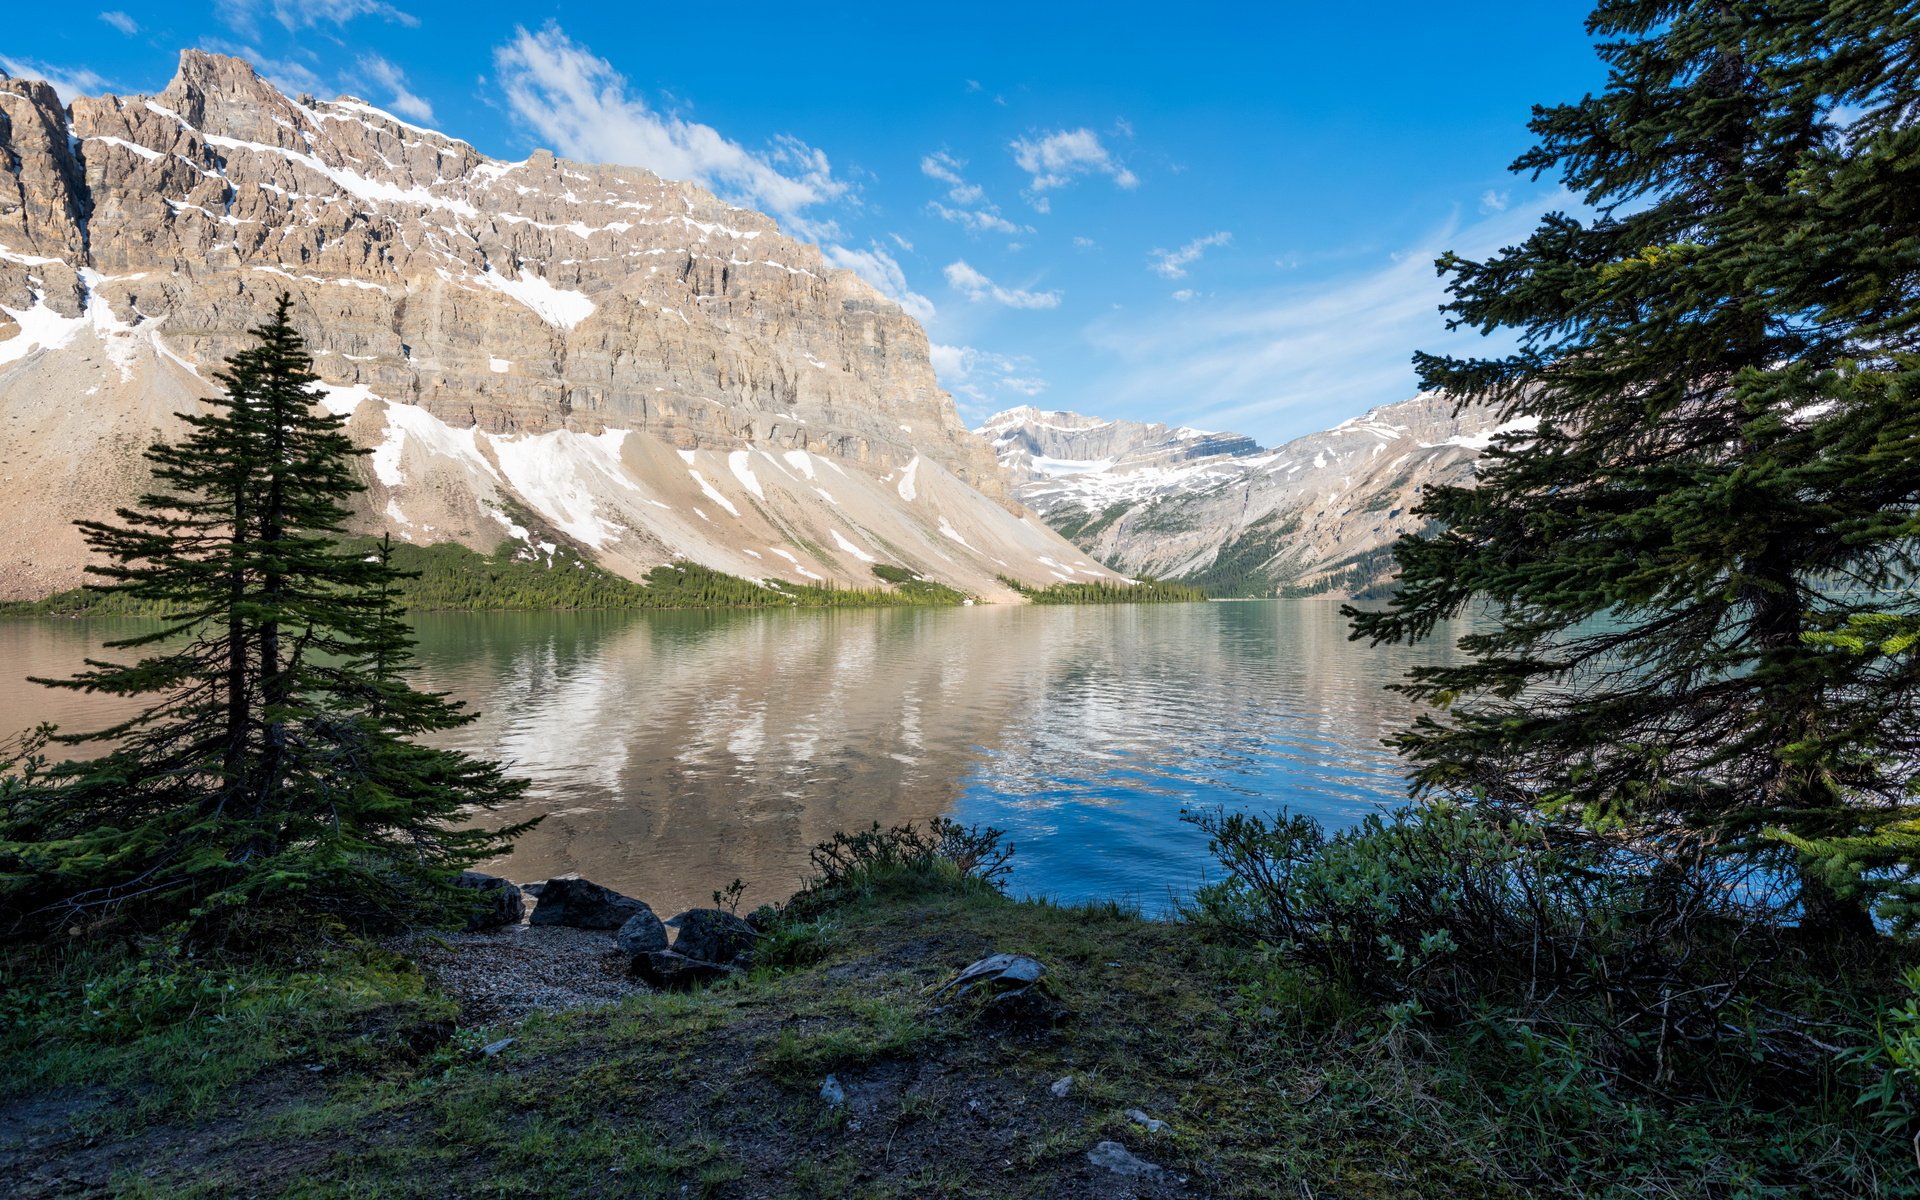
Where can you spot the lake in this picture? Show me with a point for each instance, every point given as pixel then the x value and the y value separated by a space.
pixel 674 752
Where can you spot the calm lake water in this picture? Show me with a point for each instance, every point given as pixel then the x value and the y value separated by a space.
pixel 677 751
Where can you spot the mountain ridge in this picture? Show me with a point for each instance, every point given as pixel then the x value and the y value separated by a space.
pixel 654 374
pixel 1317 513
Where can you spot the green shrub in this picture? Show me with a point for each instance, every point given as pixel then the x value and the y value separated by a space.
pixel 946 857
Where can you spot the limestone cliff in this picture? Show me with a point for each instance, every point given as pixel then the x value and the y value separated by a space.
pixel 539 349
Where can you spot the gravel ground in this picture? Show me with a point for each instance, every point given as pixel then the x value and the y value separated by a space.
pixel 504 974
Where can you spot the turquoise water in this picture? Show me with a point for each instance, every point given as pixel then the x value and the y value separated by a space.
pixel 674 752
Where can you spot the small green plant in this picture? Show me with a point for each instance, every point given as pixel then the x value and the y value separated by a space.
pixel 728 897
pixel 945 856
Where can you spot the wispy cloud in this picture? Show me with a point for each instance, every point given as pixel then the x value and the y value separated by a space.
pixel 883 271
pixel 1493 202
pixel 1055 159
pixel 68 82
pixel 980 220
pixel 577 102
pixel 975 286
pixel 399 97
pixel 1172 264
pixel 973 213
pixel 121 21
pixel 1286 361
pixel 983 382
pixel 243 15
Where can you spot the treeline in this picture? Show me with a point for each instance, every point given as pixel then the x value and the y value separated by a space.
pixel 449 577
pixel 1147 591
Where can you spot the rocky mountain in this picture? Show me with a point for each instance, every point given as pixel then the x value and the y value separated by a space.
pixel 541 350
pixel 1316 514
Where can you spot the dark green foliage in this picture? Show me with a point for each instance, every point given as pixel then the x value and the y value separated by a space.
pixel 903 859
pixel 1245 566
pixel 914 588
pixel 448 577
pixel 1595 997
pixel 275 757
pixel 1724 364
pixel 1082 527
pixel 1147 591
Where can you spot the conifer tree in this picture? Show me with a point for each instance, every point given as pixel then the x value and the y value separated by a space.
pixel 1716 461
pixel 273 753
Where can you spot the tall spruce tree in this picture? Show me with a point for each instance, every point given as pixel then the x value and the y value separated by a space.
pixel 275 751
pixel 1722 374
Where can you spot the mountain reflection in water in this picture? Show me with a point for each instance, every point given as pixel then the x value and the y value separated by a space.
pixel 677 751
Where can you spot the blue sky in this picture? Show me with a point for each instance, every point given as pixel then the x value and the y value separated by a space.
pixel 1202 214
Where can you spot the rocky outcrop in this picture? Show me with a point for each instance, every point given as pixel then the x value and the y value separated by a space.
pixel 541 350
pixel 1317 514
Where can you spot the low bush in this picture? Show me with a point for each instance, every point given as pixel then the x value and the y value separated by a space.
pixel 944 857
pixel 1599 1006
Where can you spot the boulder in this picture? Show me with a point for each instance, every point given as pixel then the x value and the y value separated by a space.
pixel 642 934
pixel 581 904
pixel 713 935
pixel 676 972
pixel 496 901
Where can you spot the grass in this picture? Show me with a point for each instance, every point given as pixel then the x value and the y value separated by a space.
pixel 1271 1082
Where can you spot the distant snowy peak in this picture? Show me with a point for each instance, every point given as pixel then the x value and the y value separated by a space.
pixel 1034 444
pixel 1217 508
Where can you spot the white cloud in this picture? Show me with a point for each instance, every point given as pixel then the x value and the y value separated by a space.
pixel 580 104
pixel 901 242
pixel 975 286
pixel 985 220
pixel 1054 159
pixel 296 15
pixel 1172 264
pixel 1493 202
pixel 121 21
pixel 1185 294
pixel 1084 243
pixel 68 82
pixel 399 98
pixel 942 166
pixel 883 271
pixel 983 382
pixel 1292 359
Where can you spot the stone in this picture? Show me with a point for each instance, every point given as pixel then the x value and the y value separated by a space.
pixel 642 934
pixel 581 904
pixel 998 973
pixel 1116 1158
pixel 1062 1087
pixel 1012 988
pixel 1152 1124
pixel 833 1093
pixel 493 1048
pixel 497 901
pixel 713 935
pixel 673 972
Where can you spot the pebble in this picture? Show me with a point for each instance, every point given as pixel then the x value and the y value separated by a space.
pixel 504 974
pixel 1062 1086
pixel 1139 1118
